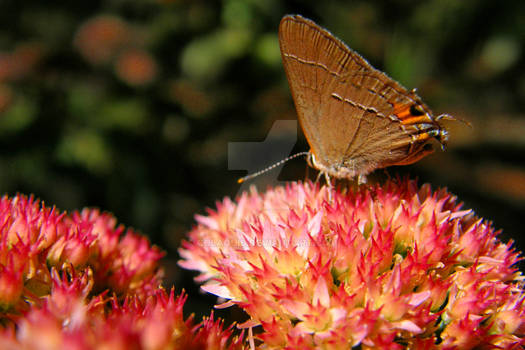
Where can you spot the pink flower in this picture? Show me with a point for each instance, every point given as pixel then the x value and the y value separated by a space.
pixel 34 238
pixel 68 320
pixel 80 281
pixel 382 267
pixel 122 260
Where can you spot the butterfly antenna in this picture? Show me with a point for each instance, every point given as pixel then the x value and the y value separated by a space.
pixel 273 166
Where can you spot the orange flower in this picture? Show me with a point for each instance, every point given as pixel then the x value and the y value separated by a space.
pixel 136 67
pixel 100 38
pixel 382 267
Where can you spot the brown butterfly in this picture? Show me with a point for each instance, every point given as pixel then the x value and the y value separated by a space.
pixel 355 118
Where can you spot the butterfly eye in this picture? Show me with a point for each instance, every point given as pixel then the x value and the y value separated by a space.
pixel 416 110
pixel 443 136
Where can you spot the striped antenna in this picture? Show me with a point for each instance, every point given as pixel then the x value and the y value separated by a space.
pixel 273 166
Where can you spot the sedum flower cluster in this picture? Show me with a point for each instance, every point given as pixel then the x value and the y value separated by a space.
pixel 391 267
pixel 80 281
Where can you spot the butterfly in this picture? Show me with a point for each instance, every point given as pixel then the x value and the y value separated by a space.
pixel 355 118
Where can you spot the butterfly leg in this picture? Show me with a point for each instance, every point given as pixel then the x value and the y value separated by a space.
pixel 329 186
pixel 361 179
pixel 318 176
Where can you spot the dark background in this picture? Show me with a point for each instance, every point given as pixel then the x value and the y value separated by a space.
pixel 129 106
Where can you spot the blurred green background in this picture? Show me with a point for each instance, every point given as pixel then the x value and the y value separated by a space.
pixel 129 105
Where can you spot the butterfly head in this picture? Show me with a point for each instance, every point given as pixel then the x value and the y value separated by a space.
pixel 441 134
